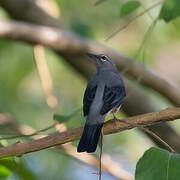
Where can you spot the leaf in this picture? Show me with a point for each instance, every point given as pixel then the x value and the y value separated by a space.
pixel 129 7
pixel 4 172
pixel 63 118
pixel 170 10
pixel 157 164
pixel 17 167
pixel 99 2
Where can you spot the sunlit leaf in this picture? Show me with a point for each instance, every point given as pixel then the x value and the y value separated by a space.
pixel 129 7
pixel 4 172
pixel 170 10
pixel 16 166
pixel 158 164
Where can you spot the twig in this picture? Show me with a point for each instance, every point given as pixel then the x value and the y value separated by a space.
pixel 68 148
pixel 142 45
pixel 132 20
pixel 154 135
pixel 100 157
pixel 158 138
pixel 27 135
pixel 147 36
pixel 115 169
pixel 74 134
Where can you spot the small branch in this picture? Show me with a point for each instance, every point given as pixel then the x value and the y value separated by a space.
pixel 27 135
pixel 158 138
pixel 100 156
pixel 132 20
pixel 109 127
pixel 45 77
pixel 72 49
pixel 89 159
pixel 146 130
pixel 69 149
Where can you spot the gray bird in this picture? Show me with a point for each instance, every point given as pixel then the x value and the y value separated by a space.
pixel 104 94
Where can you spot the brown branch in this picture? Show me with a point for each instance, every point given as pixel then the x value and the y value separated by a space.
pixel 146 130
pixel 110 127
pixel 115 169
pixel 57 39
pixel 80 63
pixel 69 149
pixel 31 12
pixel 158 138
pixel 70 45
pixel 89 159
pixel 51 101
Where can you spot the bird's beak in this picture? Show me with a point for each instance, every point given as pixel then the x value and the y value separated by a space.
pixel 93 56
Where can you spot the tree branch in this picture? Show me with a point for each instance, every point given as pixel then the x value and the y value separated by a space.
pixel 69 150
pixel 110 127
pixel 69 44
pixel 80 63
pixel 31 12
pixel 58 40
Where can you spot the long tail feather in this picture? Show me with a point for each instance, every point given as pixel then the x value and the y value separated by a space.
pixel 89 138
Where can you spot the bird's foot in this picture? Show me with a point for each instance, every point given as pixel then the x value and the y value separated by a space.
pixel 114 117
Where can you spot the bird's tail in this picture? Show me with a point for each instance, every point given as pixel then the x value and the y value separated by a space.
pixel 89 138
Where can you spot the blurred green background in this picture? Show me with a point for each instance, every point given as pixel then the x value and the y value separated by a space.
pixel 22 96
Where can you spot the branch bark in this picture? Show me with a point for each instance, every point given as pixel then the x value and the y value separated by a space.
pixel 28 11
pixel 115 169
pixel 69 44
pixel 110 127
pixel 68 149
pixel 57 40
pixel 80 63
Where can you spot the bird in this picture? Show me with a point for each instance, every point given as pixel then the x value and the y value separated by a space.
pixel 104 94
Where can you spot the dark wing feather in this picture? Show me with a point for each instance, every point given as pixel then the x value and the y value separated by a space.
pixel 88 98
pixel 112 98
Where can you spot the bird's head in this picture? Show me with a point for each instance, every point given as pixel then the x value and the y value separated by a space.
pixel 102 61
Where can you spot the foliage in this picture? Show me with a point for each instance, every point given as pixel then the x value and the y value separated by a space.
pixel 129 7
pixel 158 164
pixel 9 166
pixel 4 172
pixel 21 93
pixel 170 10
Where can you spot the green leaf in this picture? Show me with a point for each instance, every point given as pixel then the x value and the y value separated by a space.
pixel 16 166
pixel 63 118
pixel 170 10
pixel 4 172
pixel 99 2
pixel 157 164
pixel 129 7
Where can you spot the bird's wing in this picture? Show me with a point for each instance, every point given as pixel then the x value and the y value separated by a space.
pixel 112 98
pixel 88 98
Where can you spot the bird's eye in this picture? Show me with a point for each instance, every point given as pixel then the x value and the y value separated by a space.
pixel 103 57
